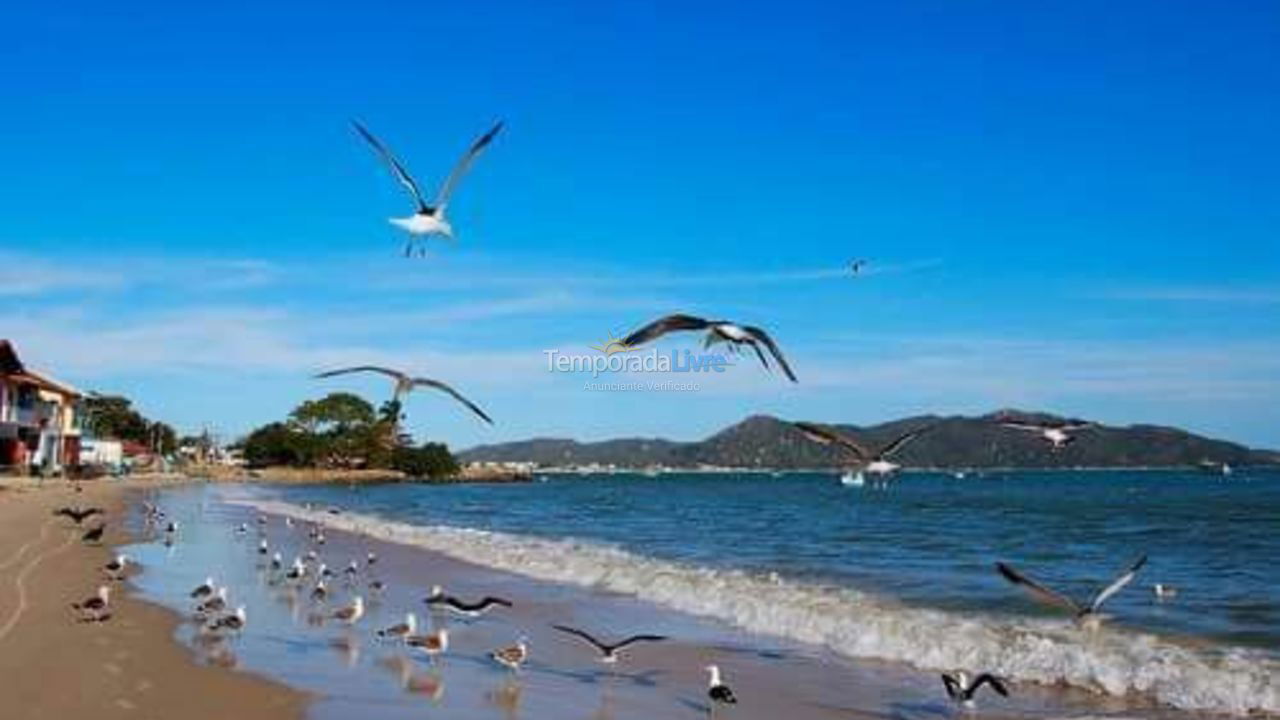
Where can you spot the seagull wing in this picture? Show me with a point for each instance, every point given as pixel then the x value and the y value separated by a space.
pixel 996 684
pixel 464 164
pixel 393 374
pixel 637 639
pixel 1118 584
pixel 952 685
pixel 396 168
pixel 662 326
pixel 899 442
pixel 428 382
pixel 763 337
pixel 1068 427
pixel 583 635
pixel 1022 426
pixel 827 436
pixel 1038 591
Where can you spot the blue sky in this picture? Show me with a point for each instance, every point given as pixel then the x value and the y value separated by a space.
pixel 1072 207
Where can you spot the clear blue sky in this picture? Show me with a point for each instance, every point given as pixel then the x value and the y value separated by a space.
pixel 1074 206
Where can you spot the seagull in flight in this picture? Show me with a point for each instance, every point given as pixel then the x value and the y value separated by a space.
pixel 718 331
pixel 877 463
pixel 1056 432
pixel 1086 615
pixel 608 651
pixel 427 218
pixel 962 690
pixel 856 267
pixel 404 384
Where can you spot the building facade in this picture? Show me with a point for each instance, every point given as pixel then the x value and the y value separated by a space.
pixel 39 423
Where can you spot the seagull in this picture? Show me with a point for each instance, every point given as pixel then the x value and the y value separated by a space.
pixel 856 266
pixel 717 331
pixel 404 384
pixel 352 613
pixel 877 463
pixel 608 652
pixel 1164 592
pixel 1056 432
pixel 960 689
pixel 277 561
pixel 1086 615
pixel 94 535
pixel 262 547
pixel 296 571
pixel 513 657
pixel 431 645
pixel 370 559
pixel 95 606
pixel 203 590
pixel 78 515
pixel 717 690
pixel 115 568
pixel 215 604
pixel 400 630
pixel 428 219
pixel 319 593
pixel 475 609
pixel 234 622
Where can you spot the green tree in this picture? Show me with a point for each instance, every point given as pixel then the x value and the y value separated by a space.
pixel 430 460
pixel 277 444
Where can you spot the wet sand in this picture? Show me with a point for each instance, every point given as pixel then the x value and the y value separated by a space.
pixel 351 672
pixel 127 667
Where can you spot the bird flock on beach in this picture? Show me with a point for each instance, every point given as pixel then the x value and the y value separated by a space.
pixel 340 594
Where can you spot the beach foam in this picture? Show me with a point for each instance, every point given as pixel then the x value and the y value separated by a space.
pixel 858 624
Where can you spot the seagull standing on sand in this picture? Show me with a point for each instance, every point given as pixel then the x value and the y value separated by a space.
pixel 513 657
pixel 719 693
pixel 401 630
pixel 961 690
pixel 404 384
pixel 431 645
pixel 350 614
pixel 608 651
pixel 427 219
pixel 115 568
pixel 203 590
pixel 1056 432
pixel 877 463
pixel 1086 615
pixel 94 608
pixel 718 331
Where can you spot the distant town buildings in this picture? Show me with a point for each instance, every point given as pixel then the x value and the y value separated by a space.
pixel 39 422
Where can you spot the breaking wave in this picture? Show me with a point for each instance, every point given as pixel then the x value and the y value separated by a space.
pixel 859 624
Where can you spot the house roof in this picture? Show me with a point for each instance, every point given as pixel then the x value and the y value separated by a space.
pixel 9 362
pixel 12 367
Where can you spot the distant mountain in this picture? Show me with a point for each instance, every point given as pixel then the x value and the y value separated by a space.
pixel 762 441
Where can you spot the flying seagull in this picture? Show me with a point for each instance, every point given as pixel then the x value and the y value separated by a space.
pixel 461 607
pixel 717 690
pixel 404 384
pixel 1056 432
pixel 1086 615
pixel 78 515
pixel 960 689
pixel 856 266
pixel 427 218
pixel 877 463
pixel 718 331
pixel 608 652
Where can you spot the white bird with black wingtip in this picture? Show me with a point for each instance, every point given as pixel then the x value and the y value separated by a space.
pixel 961 689
pixel 428 218
pixel 718 331
pixel 875 463
pixel 717 690
pixel 608 651
pixel 1086 615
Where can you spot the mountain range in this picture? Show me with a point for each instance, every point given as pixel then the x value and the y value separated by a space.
pixel 763 441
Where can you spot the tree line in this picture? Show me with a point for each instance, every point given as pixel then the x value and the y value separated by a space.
pixel 344 431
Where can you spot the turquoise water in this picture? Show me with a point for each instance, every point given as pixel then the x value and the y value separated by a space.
pixel 928 540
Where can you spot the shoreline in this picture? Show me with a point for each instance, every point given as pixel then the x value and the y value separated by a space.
pixel 128 666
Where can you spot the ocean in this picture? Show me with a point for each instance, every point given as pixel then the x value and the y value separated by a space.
pixel 902 574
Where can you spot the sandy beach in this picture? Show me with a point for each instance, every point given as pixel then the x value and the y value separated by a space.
pixel 126 667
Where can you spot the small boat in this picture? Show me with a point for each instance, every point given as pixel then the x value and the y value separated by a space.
pixel 853 479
